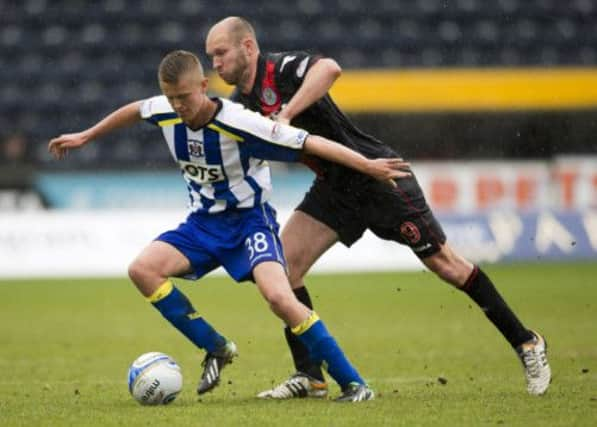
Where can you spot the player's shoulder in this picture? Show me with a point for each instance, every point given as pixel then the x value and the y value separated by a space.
pixel 238 120
pixel 229 107
pixel 235 114
pixel 289 61
pixel 288 54
pixel 156 106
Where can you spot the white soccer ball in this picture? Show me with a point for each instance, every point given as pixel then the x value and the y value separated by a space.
pixel 155 379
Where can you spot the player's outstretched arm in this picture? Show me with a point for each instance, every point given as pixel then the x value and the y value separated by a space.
pixel 381 169
pixel 318 80
pixel 124 116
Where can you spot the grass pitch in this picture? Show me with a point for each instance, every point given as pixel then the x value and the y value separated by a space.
pixel 427 350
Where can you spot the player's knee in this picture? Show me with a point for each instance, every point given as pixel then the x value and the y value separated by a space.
pixel 138 272
pixel 446 272
pixel 279 302
pixel 134 271
pixel 449 266
pixel 443 266
pixel 455 273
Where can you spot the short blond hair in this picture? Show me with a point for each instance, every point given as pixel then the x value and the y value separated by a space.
pixel 177 63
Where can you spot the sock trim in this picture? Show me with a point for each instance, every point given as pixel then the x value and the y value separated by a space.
pixel 471 278
pixel 161 292
pixel 304 326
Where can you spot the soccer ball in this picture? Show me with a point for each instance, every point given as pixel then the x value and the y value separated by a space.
pixel 154 379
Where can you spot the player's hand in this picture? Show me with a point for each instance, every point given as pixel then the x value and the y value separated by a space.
pixel 389 169
pixel 59 146
pixel 281 117
pixel 283 120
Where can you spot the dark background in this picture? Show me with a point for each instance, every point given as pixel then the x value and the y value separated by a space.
pixel 66 63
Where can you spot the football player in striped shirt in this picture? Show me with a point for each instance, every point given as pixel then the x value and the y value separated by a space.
pixel 221 149
pixel 342 203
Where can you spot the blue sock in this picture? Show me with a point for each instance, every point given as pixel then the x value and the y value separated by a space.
pixel 179 311
pixel 323 348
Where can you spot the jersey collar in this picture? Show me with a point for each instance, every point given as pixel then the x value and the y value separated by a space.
pixel 218 102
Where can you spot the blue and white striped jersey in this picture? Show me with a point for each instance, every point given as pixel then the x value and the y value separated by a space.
pixel 223 163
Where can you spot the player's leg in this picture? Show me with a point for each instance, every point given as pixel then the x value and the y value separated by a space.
pixel 155 264
pixel 403 215
pixel 323 217
pixel 418 228
pixel 460 273
pixel 304 240
pixel 150 272
pixel 530 346
pixel 273 284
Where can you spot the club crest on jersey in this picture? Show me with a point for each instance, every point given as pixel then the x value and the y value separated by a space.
pixel 196 148
pixel 269 96
pixel 410 232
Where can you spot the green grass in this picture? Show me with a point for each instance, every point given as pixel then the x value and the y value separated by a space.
pixel 65 347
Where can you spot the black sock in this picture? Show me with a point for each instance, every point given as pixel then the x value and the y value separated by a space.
pixel 480 288
pixel 300 354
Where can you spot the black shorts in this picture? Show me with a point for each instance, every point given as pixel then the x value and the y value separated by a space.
pixel 400 214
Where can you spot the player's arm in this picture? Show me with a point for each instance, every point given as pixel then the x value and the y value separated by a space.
pixel 381 169
pixel 269 140
pixel 124 116
pixel 318 80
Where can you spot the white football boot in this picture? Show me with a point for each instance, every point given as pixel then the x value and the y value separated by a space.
pixel 533 355
pixel 297 386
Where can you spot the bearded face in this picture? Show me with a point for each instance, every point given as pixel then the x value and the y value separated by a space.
pixel 235 71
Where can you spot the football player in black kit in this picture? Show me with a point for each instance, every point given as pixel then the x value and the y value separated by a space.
pixel 341 204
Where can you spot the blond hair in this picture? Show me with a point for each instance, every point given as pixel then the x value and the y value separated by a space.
pixel 177 63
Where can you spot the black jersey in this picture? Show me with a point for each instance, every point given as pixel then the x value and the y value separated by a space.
pixel 279 76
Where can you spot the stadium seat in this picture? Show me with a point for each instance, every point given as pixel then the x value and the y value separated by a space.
pixel 55 35
pixel 508 6
pixel 487 32
pixel 113 7
pixel 11 36
pixel 80 59
pixel 587 54
pixel 449 32
pixel 584 7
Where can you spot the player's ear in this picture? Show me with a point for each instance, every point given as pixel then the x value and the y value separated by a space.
pixel 249 45
pixel 204 84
